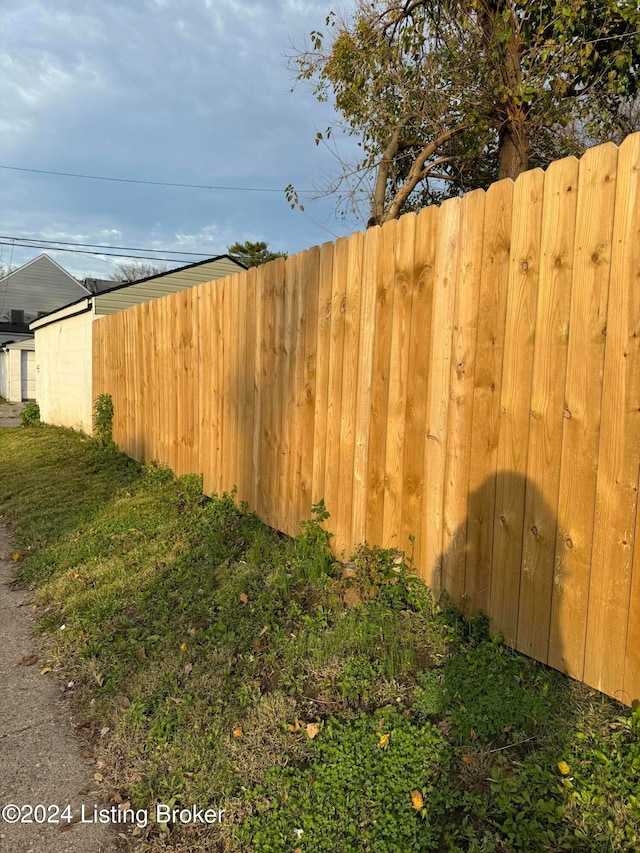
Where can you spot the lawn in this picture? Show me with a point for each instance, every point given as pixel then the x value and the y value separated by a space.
pixel 324 707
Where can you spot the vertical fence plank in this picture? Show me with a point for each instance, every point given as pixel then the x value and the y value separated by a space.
pixel 366 337
pixel 205 407
pixel 353 305
pixel 385 271
pixel 323 347
pixel 547 407
pixel 583 401
pixel 258 372
pixel 617 485
pixel 485 422
pixel 461 384
pixel 424 256
pixel 310 286
pixel 445 279
pixel 240 321
pixel 516 393
pixel 334 396
pixel 251 336
pixel 287 431
pixel 398 383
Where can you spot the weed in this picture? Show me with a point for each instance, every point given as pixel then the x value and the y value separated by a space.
pixel 30 415
pixel 103 419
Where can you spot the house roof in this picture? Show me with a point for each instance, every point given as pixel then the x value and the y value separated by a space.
pixel 46 259
pixel 126 294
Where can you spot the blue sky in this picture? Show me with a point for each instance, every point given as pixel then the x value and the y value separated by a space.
pixel 186 91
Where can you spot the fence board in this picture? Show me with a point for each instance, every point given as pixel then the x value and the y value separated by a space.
pixel 366 338
pixel 494 277
pixel 547 407
pixel 352 307
pixel 461 383
pixel 445 279
pixel 583 398
pixel 385 270
pixel 424 257
pixel 322 372
pixel 617 484
pixel 515 396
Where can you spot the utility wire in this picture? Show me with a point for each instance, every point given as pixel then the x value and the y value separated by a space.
pixel 20 241
pixel 98 254
pixel 150 183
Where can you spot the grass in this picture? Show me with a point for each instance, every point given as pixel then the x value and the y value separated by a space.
pixel 324 708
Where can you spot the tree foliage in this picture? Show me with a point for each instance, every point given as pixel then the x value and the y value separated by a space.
pixel 446 95
pixel 253 254
pixel 135 270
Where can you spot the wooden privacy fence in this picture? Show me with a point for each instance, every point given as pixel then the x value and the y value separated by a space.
pixel 469 376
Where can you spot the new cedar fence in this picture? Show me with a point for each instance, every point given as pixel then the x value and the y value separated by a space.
pixel 469 376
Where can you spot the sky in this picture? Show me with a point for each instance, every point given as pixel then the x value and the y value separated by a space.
pixel 182 91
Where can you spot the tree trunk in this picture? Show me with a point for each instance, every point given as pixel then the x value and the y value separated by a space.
pixel 513 151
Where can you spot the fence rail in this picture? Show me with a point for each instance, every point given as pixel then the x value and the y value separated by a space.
pixel 468 376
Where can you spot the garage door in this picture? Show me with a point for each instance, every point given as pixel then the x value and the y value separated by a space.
pixel 28 375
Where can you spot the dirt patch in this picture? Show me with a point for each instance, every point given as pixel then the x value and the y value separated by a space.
pixel 40 753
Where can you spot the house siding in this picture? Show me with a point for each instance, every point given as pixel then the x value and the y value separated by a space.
pixel 63 372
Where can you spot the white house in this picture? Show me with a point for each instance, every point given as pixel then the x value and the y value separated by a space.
pixel 63 339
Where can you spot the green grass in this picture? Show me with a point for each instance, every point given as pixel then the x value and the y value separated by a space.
pixel 213 648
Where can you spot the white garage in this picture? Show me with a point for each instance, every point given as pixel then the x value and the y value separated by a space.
pixel 18 371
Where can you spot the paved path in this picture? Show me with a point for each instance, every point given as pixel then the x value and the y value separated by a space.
pixel 10 413
pixel 40 755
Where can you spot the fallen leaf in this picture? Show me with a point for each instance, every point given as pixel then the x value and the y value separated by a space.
pixel 474 736
pixel 29 661
pixel 141 653
pixel 417 800
pixel 98 777
pixel 183 647
pixel 104 731
pixel 175 699
pixel 264 631
pixel 117 797
pixel 123 701
pixel 469 759
pixel 564 768
pixel 15 556
pixel 188 667
pixel 383 743
pixel 125 805
pixel 312 730
pixel 244 598
pixel 237 732
pixel 45 670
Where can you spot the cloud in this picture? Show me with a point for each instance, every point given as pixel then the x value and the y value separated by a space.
pixel 190 91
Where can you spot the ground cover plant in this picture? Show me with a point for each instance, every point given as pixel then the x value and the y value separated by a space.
pixel 325 707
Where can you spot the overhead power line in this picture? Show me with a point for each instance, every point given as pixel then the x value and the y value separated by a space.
pixel 19 241
pixel 98 254
pixel 150 183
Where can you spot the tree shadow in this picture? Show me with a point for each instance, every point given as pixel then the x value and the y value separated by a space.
pixel 506 559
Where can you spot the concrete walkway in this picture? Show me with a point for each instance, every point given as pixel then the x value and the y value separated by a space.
pixel 10 413
pixel 40 754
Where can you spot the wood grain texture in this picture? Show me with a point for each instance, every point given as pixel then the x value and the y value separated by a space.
pixel 617 483
pixel 547 407
pixel 485 425
pixel 513 438
pixel 583 402
pixel 469 376
pixel 461 385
